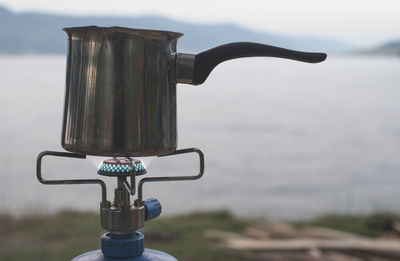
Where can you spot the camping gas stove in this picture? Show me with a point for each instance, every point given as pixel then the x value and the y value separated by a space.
pixel 120 217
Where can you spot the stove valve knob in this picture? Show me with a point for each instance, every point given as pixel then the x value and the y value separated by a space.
pixel 153 208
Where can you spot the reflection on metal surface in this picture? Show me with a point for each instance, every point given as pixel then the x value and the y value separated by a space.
pixel 119 100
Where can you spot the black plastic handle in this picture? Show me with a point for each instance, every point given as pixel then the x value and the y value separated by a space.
pixel 206 61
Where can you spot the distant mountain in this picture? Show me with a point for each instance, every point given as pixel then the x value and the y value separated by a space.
pixel 41 33
pixel 390 48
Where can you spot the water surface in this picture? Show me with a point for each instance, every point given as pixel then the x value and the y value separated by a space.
pixel 281 139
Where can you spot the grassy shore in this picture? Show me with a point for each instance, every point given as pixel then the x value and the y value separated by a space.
pixel 68 234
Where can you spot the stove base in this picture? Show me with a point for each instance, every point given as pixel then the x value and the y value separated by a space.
pixel 148 255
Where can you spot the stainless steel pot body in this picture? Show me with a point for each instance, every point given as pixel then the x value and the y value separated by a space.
pixel 120 100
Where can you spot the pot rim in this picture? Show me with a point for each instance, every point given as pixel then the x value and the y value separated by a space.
pixel 125 30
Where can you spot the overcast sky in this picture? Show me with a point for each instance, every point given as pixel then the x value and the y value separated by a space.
pixel 361 22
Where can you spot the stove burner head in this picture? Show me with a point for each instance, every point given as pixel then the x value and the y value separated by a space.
pixel 121 167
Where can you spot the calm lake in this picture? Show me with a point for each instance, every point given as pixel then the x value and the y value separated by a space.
pixel 282 139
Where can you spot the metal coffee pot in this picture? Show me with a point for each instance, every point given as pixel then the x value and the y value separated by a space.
pixel 121 87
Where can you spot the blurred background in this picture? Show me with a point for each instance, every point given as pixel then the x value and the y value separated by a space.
pixel 282 139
